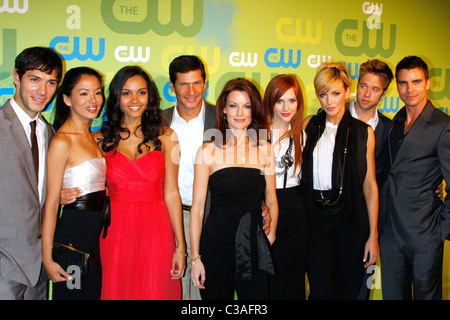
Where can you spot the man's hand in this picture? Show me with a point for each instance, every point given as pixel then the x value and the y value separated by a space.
pixel 68 196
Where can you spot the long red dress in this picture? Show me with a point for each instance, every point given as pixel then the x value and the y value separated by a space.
pixel 136 255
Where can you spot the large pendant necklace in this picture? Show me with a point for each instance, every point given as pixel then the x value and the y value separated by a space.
pixel 286 160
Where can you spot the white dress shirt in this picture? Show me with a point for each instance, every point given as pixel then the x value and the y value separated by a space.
pixel 373 122
pixel 323 158
pixel 190 137
pixel 25 120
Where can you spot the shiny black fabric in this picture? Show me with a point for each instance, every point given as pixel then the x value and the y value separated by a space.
pixel 232 241
pixel 91 201
pixel 252 247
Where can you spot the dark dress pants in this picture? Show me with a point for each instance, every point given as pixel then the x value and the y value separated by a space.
pixel 405 269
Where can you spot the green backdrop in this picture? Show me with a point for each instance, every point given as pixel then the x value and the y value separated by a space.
pixel 247 38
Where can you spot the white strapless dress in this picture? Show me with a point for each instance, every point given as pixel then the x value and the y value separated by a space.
pixel 89 175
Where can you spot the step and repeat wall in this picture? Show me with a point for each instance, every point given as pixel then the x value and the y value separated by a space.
pixel 256 39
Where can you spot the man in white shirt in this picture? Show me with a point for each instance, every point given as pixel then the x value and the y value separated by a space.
pixel 189 118
pixel 36 75
pixel 374 79
pixel 373 82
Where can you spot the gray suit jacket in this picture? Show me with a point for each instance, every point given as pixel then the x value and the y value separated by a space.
pixel 418 216
pixel 20 208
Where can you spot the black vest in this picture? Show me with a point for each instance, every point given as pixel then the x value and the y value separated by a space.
pixel 352 200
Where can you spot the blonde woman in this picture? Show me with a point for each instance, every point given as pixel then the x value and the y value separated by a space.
pixel 339 190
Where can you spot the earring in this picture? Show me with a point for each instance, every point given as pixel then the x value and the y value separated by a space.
pixel 225 116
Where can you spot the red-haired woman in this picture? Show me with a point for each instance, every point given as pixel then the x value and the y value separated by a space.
pixel 283 102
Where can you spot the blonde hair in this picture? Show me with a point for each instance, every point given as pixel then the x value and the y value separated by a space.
pixel 328 74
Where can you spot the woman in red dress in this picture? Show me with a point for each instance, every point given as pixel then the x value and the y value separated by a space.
pixel 143 254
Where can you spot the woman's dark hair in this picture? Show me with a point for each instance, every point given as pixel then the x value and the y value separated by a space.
pixel 151 123
pixel 258 115
pixel 71 78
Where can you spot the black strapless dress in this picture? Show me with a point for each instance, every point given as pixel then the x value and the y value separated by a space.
pixel 234 249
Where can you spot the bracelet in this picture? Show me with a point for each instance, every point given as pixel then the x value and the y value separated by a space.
pixel 193 261
pixel 178 250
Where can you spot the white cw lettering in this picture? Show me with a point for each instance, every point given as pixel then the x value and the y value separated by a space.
pixel 15 8
pixel 237 59
pixel 314 60
pixel 126 54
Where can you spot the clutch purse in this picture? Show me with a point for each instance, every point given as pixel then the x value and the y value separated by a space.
pixel 66 255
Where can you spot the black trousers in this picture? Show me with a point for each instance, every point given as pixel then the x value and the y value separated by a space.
pixel 290 249
pixel 335 266
pixel 405 269
pixel 217 248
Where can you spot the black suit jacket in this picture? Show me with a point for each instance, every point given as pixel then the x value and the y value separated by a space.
pixel 408 198
pixel 381 147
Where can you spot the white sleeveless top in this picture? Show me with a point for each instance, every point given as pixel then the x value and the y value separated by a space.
pixel 294 174
pixel 89 176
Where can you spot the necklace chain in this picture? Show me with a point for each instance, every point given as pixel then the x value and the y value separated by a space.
pixel 327 202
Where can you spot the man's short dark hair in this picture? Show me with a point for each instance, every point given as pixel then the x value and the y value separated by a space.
pixel 39 58
pixel 184 64
pixel 412 62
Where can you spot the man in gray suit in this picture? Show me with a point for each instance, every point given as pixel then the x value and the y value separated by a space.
pixel 36 75
pixel 414 221
pixel 189 118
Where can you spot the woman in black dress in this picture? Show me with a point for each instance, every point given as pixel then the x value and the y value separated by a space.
pixel 231 251
pixel 75 160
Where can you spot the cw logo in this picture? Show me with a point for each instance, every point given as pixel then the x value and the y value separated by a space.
pixel 111 12
pixel 170 52
pixel 364 47
pixel 353 73
pixel 373 22
pixel 256 78
pixel 438 81
pixel 62 43
pixel 290 32
pixel 126 54
pixel 275 59
pixel 371 8
pixel 5 94
pixel 9 52
pixel 314 60
pixel 390 107
pixel 15 8
pixel 237 59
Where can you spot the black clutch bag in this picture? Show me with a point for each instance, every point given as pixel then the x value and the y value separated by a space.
pixel 66 255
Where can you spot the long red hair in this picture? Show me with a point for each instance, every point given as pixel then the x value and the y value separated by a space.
pixel 276 88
